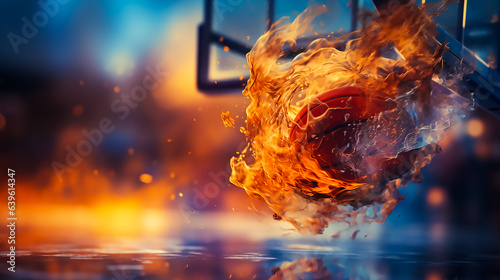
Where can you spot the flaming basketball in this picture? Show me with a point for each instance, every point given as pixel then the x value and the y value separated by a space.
pixel 334 132
pixel 331 125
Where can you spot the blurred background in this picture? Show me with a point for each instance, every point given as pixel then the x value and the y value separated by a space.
pixel 110 114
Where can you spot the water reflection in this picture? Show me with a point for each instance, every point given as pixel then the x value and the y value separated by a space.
pixel 271 260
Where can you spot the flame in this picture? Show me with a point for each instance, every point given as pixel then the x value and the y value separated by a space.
pixel 389 147
pixel 297 269
pixel 227 119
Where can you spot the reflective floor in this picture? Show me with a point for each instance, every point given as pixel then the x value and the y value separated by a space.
pixel 269 260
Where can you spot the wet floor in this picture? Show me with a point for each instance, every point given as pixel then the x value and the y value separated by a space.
pixel 273 259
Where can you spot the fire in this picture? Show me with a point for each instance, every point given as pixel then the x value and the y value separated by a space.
pixel 227 119
pixel 404 103
pixel 297 269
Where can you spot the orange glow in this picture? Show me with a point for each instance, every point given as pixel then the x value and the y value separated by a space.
pixel 116 89
pixel 2 122
pixel 76 209
pixel 482 149
pixel 434 276
pixel 153 221
pixel 436 196
pixel 146 178
pixel 77 110
pixel 475 128
pixel 226 48
pixel 86 209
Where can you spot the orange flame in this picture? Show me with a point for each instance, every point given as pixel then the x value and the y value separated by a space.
pixel 421 106
pixel 297 269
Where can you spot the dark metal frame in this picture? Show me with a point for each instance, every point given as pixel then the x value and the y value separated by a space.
pixel 484 81
pixel 207 36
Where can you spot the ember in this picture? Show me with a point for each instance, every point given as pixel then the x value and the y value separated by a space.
pixel 227 119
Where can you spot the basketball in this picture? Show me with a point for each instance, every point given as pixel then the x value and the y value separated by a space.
pixel 327 128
